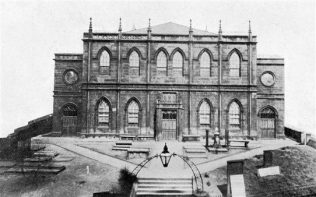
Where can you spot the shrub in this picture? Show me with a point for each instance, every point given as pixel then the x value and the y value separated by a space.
pixel 126 180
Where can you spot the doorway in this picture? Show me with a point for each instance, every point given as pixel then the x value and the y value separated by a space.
pixel 169 124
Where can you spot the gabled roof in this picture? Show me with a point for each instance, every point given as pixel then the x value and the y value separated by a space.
pixel 170 28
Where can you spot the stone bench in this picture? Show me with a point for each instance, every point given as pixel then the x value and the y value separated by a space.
pixel 245 142
pixel 139 152
pixel 145 137
pixel 191 138
pixel 218 149
pixel 85 135
pixel 123 143
pixel 128 137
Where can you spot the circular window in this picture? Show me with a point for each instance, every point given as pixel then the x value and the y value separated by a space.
pixel 267 79
pixel 71 77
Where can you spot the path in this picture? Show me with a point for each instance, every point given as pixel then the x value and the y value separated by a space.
pixel 176 166
pixel 106 159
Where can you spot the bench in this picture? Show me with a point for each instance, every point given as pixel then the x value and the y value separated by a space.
pixel 85 135
pixel 190 138
pixel 245 142
pixel 137 151
pixel 145 137
pixel 123 143
pixel 217 149
pixel 128 137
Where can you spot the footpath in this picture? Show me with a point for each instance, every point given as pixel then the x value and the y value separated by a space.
pixel 154 167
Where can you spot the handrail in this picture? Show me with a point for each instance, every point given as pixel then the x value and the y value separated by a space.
pixel 196 172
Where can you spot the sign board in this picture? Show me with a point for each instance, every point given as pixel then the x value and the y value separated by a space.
pixel 275 170
pixel 237 185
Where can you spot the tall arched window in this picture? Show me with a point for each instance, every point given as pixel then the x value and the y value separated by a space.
pixel 177 61
pixel 234 116
pixel 132 113
pixel 161 61
pixel 103 113
pixel 134 59
pixel 104 59
pixel 205 65
pixel 234 65
pixel 205 113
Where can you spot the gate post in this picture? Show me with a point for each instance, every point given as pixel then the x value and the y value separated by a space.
pixel 206 140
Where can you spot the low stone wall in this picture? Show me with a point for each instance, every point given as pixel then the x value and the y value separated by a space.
pixel 297 135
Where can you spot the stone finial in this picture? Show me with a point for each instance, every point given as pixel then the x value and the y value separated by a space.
pixel 190 26
pixel 90 25
pixel 220 27
pixel 120 26
pixel 90 28
pixel 206 28
pixel 249 31
pixel 149 25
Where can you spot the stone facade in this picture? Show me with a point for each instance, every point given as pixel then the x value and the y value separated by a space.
pixel 169 100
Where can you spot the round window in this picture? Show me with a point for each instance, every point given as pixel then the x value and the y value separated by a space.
pixel 267 79
pixel 71 77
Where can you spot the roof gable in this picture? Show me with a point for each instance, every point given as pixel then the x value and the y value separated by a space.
pixel 170 28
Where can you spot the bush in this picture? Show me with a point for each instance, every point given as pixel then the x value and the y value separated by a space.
pixel 126 180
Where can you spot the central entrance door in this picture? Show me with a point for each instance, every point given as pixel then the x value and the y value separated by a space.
pixel 169 124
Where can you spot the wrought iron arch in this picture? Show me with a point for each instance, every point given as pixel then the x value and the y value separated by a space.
pixel 196 172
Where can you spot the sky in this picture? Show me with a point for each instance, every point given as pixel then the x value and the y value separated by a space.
pixel 32 31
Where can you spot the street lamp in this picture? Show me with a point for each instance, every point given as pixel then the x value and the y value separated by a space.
pixel 165 156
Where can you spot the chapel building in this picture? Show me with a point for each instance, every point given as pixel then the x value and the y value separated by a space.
pixel 166 81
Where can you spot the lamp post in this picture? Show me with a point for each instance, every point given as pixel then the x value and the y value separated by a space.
pixel 165 156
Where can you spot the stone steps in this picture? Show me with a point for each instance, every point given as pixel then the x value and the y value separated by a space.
pixel 195 151
pixel 164 187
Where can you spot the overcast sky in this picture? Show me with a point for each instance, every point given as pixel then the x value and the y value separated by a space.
pixel 32 31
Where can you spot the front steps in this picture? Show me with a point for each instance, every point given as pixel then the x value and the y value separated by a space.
pixel 164 187
pixel 195 151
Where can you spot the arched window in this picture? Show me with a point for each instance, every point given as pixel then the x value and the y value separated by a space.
pixel 205 65
pixel 177 61
pixel 234 116
pixel 132 113
pixel 134 59
pixel 161 61
pixel 205 113
pixel 234 65
pixel 103 113
pixel 105 59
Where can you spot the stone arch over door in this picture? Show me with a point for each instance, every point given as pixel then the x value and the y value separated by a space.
pixel 69 118
pixel 267 122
